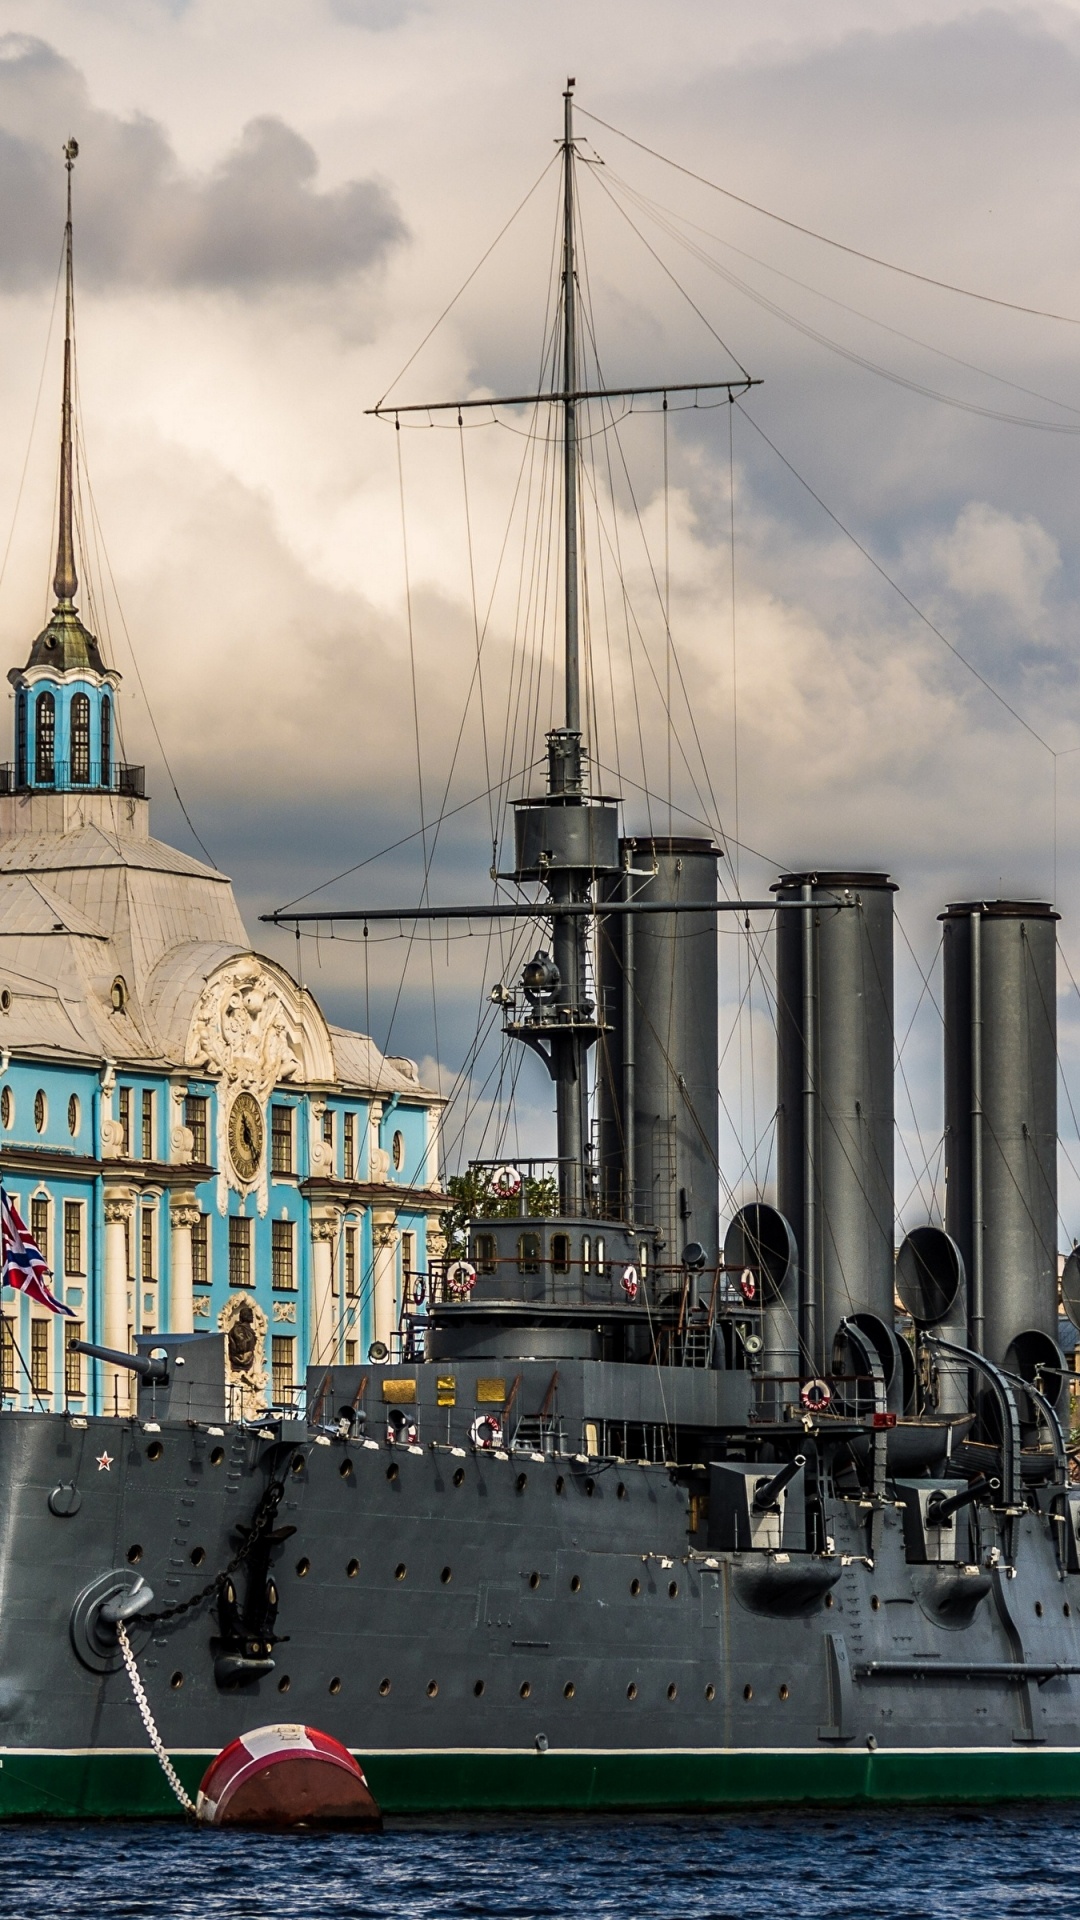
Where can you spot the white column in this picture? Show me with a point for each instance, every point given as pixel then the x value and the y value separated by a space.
pixel 183 1215
pixel 117 1383
pixel 325 1229
pixel 384 1284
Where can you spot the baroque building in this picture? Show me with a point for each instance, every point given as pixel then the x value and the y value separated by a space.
pixel 191 1142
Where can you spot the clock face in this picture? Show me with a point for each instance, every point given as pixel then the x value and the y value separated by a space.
pixel 246 1135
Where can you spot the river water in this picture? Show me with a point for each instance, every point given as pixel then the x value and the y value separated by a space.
pixel 987 1865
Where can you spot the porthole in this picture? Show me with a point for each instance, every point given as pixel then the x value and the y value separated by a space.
pixel 631 1691
pixel 1066 1610
pixel 352 1569
pixel 446 1576
pixel 7 1106
pixel 560 1484
pixel 432 1689
pixel 478 1688
pixel 345 1469
pixel 134 1555
pixel 297 1463
pixel 635 1588
pixel 459 1477
pixel 575 1583
pixel 828 1599
pixel 176 1681
pixel 673 1590
pixel 400 1570
pixel 620 1491
pixel 875 1603
pixel 5 999
pixel 384 1687
pixel 748 1693
pixel 397 1148
pixel 590 1487
pixel 155 1450
pixel 672 1691
pixel 73 1115
pixel 303 1568
pixel 710 1692
pixel 525 1689
pixel 41 1111
pixel 522 1482
pixel 217 1457
pixel 568 1690
pixel 335 1685
pixel 392 1471
pixel 1038 1609
pixel 198 1555
pixel 784 1691
pixel 284 1683
pixel 534 1580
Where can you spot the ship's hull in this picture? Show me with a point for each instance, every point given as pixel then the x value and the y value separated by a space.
pixel 506 1633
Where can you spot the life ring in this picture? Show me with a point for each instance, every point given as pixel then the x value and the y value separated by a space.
pixel 748 1284
pixel 630 1282
pixel 486 1432
pixel 401 1428
pixel 815 1396
pixel 460 1279
pixel 506 1182
pixel 419 1290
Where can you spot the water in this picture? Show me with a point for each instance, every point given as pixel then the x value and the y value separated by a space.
pixel 987 1865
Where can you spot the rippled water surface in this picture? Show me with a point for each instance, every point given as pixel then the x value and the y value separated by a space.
pixel 994 1865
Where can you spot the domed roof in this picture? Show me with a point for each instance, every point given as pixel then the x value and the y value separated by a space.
pixel 65 644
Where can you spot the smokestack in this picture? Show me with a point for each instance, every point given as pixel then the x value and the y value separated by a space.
pixel 834 970
pixel 1001 1125
pixel 659 1109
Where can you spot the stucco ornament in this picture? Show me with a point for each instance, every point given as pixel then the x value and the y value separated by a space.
pixel 253 1028
pixel 244 1323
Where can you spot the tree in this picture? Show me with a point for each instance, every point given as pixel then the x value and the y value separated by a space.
pixel 474 1198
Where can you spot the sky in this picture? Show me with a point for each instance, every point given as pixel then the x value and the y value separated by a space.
pixel 871 566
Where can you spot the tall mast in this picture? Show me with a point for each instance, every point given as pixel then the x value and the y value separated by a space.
pixel 65 580
pixel 570 505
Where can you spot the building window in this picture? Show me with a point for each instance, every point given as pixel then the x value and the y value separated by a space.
pixel 41 1111
pixel 348 1145
pixel 149 1231
pixel 350 1353
pixel 20 741
pixel 39 1355
pixel 239 1251
pixel 200 1251
pixel 147 1124
pixel 408 1255
pixel 281 1139
pixel 282 1244
pixel 7 1354
pixel 125 1121
pixel 39 1223
pixel 45 739
pixel 7 1107
pixel 350 1262
pixel 328 1129
pixel 73 1241
pixel 73 1362
pixel 398 1151
pixel 281 1353
pixel 195 1112
pixel 73 1115
pixel 80 740
pixel 106 742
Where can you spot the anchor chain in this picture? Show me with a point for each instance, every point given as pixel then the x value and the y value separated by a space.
pixel 149 1722
pixel 261 1521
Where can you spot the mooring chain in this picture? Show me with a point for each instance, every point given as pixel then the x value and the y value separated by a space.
pixel 149 1722
pixel 260 1523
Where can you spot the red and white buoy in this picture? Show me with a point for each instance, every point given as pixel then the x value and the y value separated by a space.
pixel 286 1776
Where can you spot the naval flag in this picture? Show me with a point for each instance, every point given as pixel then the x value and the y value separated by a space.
pixel 25 1267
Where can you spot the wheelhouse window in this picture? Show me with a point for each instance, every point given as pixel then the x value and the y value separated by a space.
pixel 586 1254
pixel 484 1252
pixel 80 740
pixel 45 739
pixel 239 1251
pixel 106 742
pixel 528 1253
pixel 601 1261
pixel 560 1253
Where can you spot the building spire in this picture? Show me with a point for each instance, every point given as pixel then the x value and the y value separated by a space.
pixel 66 580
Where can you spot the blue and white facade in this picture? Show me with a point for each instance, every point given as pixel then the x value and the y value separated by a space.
pixel 184 1132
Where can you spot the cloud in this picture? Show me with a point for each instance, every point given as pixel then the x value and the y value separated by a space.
pixel 990 554
pixel 256 220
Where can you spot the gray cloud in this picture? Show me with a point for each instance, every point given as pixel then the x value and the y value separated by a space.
pixel 257 220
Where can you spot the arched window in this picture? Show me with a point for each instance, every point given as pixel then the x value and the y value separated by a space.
pixel 106 742
pixel 45 740
pixel 20 739
pixel 80 740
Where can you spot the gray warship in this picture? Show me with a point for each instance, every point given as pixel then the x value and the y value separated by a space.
pixel 644 1508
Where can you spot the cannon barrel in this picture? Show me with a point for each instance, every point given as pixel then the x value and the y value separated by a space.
pixel 155 1371
pixel 768 1492
pixel 940 1507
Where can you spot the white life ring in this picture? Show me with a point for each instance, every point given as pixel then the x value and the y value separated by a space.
pixel 630 1282
pixel 460 1279
pixel 506 1182
pixel 486 1431
pixel 815 1396
pixel 748 1284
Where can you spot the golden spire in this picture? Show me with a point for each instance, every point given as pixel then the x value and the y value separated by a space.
pixel 66 580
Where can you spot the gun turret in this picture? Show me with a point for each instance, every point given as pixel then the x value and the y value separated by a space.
pixel 940 1509
pixel 154 1371
pixel 767 1492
